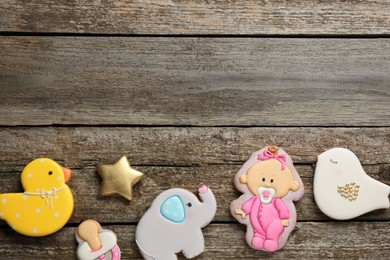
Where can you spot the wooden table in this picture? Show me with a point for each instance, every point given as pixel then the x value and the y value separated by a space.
pixel 187 90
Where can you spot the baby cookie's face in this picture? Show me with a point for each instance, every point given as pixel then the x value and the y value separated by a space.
pixel 269 174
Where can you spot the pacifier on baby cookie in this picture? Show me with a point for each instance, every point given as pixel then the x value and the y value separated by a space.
pixel 96 243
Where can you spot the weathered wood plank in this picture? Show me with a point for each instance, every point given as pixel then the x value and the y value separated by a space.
pixel 308 241
pixel 194 81
pixel 89 204
pixel 79 147
pixel 197 17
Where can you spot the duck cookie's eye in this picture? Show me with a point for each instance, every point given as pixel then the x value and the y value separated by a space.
pixel 272 180
pixel 263 179
pixel 189 204
pixel 50 172
pixel 333 161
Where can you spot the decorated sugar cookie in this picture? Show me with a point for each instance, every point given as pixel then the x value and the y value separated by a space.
pixel 46 204
pixel 173 224
pixel 118 178
pixel 270 184
pixel 343 190
pixel 96 243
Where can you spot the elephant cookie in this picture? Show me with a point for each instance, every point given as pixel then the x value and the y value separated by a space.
pixel 173 224
pixel 343 190
pixel 96 243
pixel 270 184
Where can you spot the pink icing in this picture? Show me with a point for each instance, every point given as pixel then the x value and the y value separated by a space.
pixel 202 189
pixel 269 155
pixel 266 220
pixel 115 252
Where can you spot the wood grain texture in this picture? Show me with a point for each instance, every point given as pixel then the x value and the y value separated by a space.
pixel 309 240
pixel 191 110
pixel 181 157
pixel 275 17
pixel 80 147
pixel 194 81
pixel 115 209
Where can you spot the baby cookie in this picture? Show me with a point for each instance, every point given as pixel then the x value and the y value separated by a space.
pixel 173 224
pixel 96 243
pixel 270 184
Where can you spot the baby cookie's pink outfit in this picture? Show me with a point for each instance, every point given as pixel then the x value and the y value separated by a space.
pixel 266 220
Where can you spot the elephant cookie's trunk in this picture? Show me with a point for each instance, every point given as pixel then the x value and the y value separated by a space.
pixel 209 205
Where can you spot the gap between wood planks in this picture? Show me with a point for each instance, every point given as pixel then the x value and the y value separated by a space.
pixel 188 126
pixel 114 35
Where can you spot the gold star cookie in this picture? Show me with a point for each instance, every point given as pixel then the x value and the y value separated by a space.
pixel 118 178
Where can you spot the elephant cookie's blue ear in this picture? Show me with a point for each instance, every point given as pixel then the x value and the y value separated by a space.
pixel 173 209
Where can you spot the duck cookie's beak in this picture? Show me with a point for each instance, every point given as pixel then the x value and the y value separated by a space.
pixel 67 174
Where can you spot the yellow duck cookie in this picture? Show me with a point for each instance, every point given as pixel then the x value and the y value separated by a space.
pixel 47 203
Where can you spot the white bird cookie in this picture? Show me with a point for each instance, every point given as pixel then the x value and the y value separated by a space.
pixel 342 189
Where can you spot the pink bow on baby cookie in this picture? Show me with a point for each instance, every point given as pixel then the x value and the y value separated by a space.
pixel 269 155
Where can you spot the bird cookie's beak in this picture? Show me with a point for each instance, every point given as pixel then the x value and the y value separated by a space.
pixel 67 173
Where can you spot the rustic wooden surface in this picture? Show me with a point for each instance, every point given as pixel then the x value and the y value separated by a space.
pixel 308 240
pixel 215 17
pixel 195 81
pixel 175 87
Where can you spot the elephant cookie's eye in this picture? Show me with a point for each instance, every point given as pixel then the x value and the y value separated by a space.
pixel 50 172
pixel 189 204
pixel 263 179
pixel 333 161
pixel 272 180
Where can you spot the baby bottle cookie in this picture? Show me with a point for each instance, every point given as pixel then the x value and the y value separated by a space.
pixel 270 184
pixel 96 243
pixel 173 224
pixel 46 203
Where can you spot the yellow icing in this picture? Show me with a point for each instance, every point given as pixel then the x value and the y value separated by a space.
pixel 31 214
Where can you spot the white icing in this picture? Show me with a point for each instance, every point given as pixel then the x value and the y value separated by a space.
pixel 263 199
pixel 336 168
pixel 159 237
pixel 107 239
